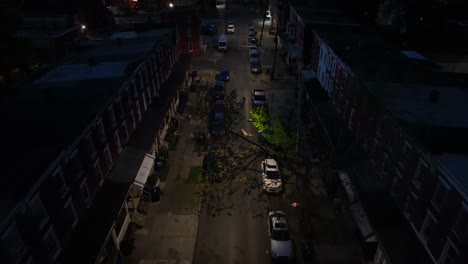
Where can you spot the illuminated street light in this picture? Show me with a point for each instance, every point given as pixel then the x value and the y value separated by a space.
pixel 83 27
pixel 171 5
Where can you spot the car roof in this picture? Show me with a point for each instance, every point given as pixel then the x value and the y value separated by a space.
pixel 279 222
pixel 271 162
pixel 258 91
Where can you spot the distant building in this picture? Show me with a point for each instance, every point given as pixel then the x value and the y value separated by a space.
pixel 50 36
pixel 411 128
pixel 188 22
pixel 106 107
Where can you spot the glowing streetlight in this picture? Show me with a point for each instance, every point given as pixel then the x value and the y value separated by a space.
pixel 171 5
pixel 83 27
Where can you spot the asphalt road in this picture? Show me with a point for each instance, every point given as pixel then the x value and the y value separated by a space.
pixel 238 235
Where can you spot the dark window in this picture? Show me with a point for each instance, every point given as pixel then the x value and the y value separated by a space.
pixel 440 193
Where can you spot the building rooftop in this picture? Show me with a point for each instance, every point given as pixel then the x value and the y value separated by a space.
pixel 325 16
pixel 438 106
pixel 457 165
pixel 48 116
pixel 382 62
pixel 92 231
pixel 392 229
pixel 45 118
pixel 431 110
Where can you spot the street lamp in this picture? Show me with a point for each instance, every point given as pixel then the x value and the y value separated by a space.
pixel 171 5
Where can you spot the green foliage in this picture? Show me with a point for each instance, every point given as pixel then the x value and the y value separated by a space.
pixel 259 118
pixel 194 174
pixel 281 136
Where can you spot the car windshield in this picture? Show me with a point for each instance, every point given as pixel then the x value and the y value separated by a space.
pixel 259 97
pixel 280 235
pixel 253 55
pixel 272 175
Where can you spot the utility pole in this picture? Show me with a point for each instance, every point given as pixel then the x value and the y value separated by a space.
pixel 225 16
pixel 263 24
pixel 272 74
pixel 300 84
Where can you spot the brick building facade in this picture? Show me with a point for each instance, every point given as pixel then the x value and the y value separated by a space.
pixel 67 131
pixel 389 104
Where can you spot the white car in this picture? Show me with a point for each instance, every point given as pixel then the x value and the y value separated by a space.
pixel 281 244
pixel 271 176
pixel 231 29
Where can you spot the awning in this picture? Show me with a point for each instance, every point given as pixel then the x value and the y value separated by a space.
pixel 362 221
pixel 144 171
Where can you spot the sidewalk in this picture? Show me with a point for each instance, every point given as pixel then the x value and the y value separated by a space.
pixel 315 217
pixel 170 227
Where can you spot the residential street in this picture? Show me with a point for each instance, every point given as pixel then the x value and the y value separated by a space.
pixel 178 229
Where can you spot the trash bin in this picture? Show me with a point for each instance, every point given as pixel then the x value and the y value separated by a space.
pixel 155 194
pixel 194 75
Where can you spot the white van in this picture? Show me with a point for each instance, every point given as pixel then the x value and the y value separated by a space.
pixel 222 42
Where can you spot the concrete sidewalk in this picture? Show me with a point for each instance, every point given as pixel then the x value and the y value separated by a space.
pixel 169 229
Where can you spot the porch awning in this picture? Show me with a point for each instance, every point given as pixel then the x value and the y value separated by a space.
pixel 144 171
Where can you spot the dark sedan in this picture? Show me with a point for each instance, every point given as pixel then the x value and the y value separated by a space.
pixel 255 67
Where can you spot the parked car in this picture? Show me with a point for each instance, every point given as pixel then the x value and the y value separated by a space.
pixel 281 244
pixel 252 35
pixel 259 98
pixel 251 28
pixel 208 29
pixel 223 75
pixel 253 42
pixel 255 67
pixel 253 57
pixel 217 124
pixel 211 168
pixel 271 176
pixel 230 28
pixel 218 90
pixel 253 49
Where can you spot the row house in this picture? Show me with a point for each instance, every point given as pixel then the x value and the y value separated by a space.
pixel 411 130
pixel 302 19
pixel 66 132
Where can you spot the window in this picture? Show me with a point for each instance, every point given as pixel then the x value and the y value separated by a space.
pixel 460 225
pixel 84 191
pixel 89 146
pixel 132 119
pixel 190 46
pixel 101 133
pixel 119 108
pixel 124 132
pixel 70 213
pixel 37 212
pixel 97 173
pixel 74 167
pixel 58 182
pixel 189 32
pixel 13 243
pixel 137 105
pixel 117 141
pixel 108 157
pixel 428 226
pixel 111 116
pixel 145 106
pixel 51 243
pixel 440 193
pixel 421 172
pixel 134 85
pixel 351 119
pixel 449 254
